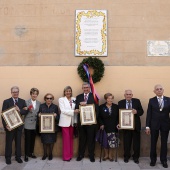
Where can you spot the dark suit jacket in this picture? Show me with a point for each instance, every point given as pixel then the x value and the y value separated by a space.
pixel 80 98
pixel 8 103
pixel 136 104
pixel 155 118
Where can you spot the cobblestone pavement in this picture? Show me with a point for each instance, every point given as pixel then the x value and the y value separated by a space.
pixel 85 164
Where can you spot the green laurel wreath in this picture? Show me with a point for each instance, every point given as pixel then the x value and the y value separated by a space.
pixel 96 64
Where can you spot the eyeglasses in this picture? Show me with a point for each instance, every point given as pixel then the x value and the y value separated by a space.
pixel 49 98
pixel 15 91
pixel 128 94
pixel 159 89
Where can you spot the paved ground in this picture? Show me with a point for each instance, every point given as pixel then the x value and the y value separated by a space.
pixel 85 164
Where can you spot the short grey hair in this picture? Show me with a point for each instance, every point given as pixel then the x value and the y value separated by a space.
pixel 85 83
pixel 14 87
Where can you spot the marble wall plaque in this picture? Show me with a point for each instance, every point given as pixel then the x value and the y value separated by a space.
pixel 91 33
pixel 158 48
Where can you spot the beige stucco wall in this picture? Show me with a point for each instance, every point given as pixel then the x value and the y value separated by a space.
pixel 37 50
pixel 41 32
pixel 54 78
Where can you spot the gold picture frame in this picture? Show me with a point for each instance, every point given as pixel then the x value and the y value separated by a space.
pixel 87 114
pixel 12 118
pixel 47 123
pixel 126 119
pixel 91 33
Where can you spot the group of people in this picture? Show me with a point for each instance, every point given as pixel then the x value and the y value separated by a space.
pixel 107 115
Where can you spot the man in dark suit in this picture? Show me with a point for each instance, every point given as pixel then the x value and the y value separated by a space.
pixel 86 132
pixel 132 135
pixel 20 105
pixel 158 120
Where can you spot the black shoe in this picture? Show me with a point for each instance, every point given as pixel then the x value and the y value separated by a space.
pixel 32 156
pixel 19 160
pixel 164 164
pixel 79 158
pixel 152 163
pixel 44 157
pixel 50 157
pixel 26 158
pixel 92 159
pixel 8 161
pixel 126 160
pixel 136 161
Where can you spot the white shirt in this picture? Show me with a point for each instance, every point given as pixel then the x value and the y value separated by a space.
pixel 33 103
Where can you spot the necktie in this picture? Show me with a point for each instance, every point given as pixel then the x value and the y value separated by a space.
pixel 16 102
pixel 85 97
pixel 129 105
pixel 160 103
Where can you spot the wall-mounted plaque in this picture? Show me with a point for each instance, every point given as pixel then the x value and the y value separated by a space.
pixel 91 33
pixel 158 48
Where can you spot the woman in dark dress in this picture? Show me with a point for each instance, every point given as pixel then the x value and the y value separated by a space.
pixel 108 120
pixel 48 139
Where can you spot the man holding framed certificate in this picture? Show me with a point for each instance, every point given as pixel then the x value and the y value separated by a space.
pixel 86 122
pixel 20 106
pixel 133 105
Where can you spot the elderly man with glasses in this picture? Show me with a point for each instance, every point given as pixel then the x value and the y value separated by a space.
pixel 132 135
pixel 157 120
pixel 21 107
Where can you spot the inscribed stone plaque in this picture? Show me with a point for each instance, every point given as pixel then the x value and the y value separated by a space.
pixel 158 48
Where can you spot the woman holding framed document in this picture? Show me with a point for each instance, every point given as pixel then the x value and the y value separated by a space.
pixel 108 120
pixel 68 118
pixel 49 116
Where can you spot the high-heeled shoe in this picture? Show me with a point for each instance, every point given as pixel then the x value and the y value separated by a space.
pixel 50 157
pixel 44 157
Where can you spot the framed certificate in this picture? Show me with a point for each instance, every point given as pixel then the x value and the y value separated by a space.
pixel 91 33
pixel 47 123
pixel 126 119
pixel 12 118
pixel 87 114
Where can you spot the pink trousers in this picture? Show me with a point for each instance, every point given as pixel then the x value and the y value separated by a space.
pixel 67 135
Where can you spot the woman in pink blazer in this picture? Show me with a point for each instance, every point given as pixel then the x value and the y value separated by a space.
pixel 68 117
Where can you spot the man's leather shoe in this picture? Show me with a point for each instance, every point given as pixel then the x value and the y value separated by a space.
pixel 79 158
pixel 19 160
pixel 126 160
pixel 152 163
pixel 136 161
pixel 164 164
pixel 92 159
pixel 8 161
pixel 26 158
pixel 32 155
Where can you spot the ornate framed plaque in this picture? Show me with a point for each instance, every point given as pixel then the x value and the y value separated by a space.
pixel 126 119
pixel 87 114
pixel 158 48
pixel 91 33
pixel 47 123
pixel 12 118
